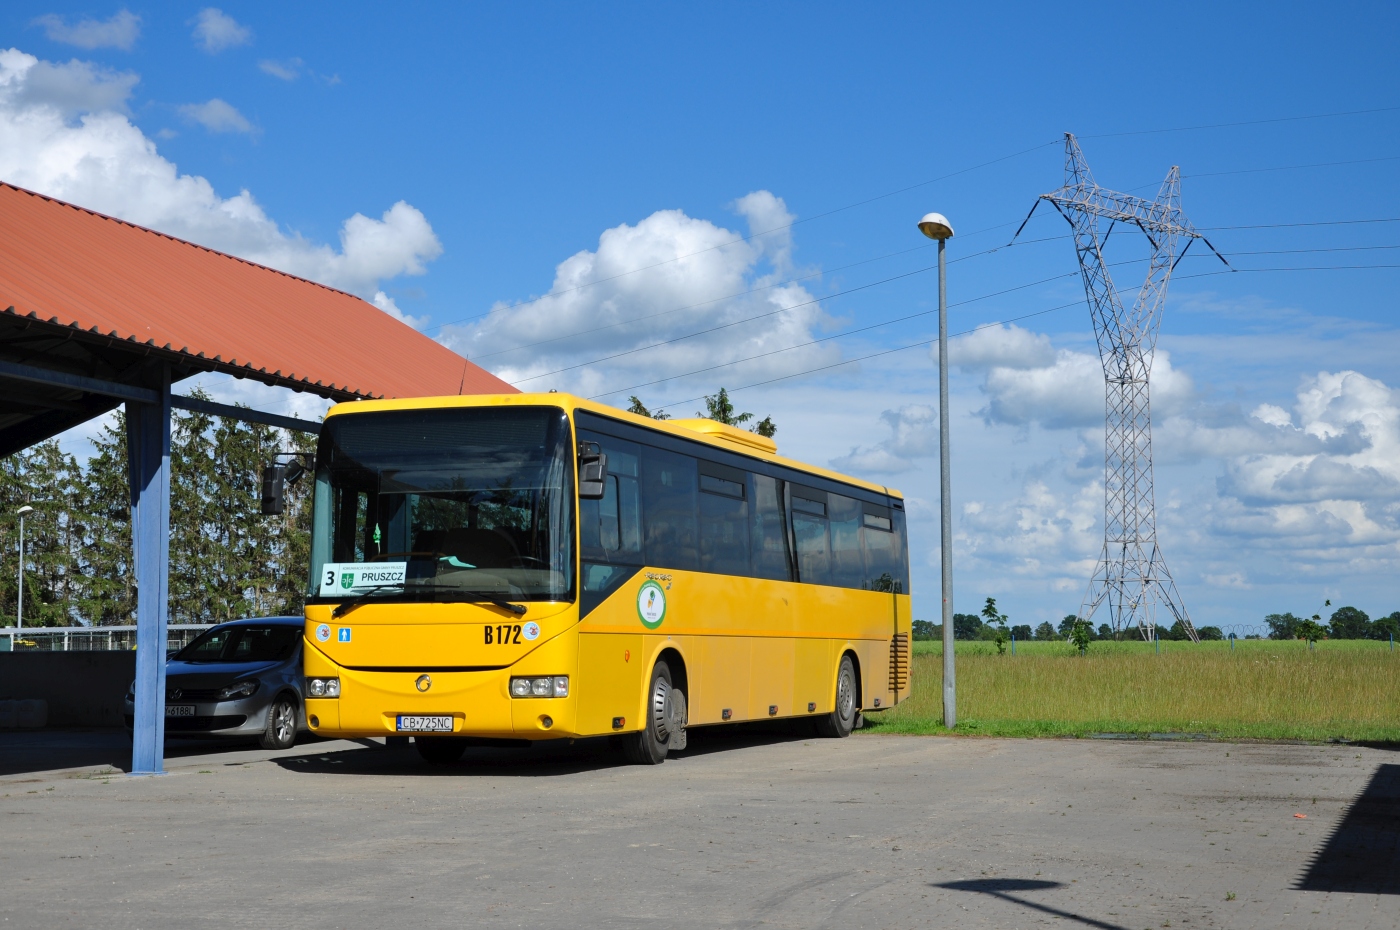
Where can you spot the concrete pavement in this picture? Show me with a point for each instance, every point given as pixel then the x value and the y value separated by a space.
pixel 740 831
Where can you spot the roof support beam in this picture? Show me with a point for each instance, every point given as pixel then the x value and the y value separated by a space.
pixel 129 392
pixel 22 372
pixel 245 414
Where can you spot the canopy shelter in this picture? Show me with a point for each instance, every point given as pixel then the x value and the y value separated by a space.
pixel 96 312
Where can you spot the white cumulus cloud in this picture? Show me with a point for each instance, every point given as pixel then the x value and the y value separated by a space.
pixel 119 31
pixel 633 310
pixel 72 140
pixel 215 30
pixel 217 116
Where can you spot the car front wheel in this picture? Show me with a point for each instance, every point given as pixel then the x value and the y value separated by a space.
pixel 281 732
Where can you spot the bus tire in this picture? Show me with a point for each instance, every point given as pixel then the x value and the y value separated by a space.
pixel 840 722
pixel 650 745
pixel 440 750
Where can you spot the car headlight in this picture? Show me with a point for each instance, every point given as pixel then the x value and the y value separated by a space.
pixel 323 687
pixel 239 689
pixel 542 687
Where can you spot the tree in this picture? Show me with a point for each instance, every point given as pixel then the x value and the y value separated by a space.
pixel 1349 623
pixel 640 409
pixel 996 620
pixel 1178 632
pixel 1383 628
pixel 1105 631
pixel 1311 631
pixel 1045 631
pixel 1067 625
pixel 1282 626
pixel 1022 632
pixel 925 630
pixel 721 409
pixel 1210 633
pixel 966 626
pixel 1080 634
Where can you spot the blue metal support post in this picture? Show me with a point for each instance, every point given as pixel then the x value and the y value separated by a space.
pixel 148 461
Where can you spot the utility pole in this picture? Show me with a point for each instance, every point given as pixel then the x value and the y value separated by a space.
pixel 19 609
pixel 936 226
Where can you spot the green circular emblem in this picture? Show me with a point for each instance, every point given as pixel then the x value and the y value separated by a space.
pixel 651 605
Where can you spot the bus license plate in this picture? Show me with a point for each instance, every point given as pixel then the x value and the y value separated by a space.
pixel 416 724
pixel 179 710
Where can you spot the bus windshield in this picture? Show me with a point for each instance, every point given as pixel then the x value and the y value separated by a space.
pixel 455 504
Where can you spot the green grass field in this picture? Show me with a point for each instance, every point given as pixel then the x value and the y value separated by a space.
pixel 1347 689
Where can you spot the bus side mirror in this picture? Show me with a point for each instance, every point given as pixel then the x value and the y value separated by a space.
pixel 592 471
pixel 274 489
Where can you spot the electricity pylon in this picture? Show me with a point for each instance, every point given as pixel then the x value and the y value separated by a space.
pixel 1132 575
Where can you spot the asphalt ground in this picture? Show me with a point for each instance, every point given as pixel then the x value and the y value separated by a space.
pixel 768 829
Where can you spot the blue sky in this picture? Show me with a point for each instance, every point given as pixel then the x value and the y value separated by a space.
pixel 554 148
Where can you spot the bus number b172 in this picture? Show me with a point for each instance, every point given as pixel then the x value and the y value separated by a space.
pixel 504 634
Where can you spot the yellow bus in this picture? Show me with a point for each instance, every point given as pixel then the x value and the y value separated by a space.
pixel 539 566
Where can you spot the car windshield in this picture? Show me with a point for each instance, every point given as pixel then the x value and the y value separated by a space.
pixel 241 644
pixel 459 504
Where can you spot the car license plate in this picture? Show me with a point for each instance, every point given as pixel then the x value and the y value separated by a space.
pixel 415 724
pixel 179 710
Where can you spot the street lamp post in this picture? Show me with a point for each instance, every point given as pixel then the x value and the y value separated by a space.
pixel 936 226
pixel 19 610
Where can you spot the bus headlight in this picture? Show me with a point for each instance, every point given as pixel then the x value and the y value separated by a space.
pixel 323 687
pixel 542 687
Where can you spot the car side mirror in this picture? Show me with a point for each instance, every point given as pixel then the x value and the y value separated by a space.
pixel 592 471
pixel 274 489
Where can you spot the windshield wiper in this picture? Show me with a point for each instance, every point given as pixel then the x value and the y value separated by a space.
pixel 484 598
pixel 344 607
pixel 481 597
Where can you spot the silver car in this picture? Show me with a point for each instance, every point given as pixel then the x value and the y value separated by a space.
pixel 240 679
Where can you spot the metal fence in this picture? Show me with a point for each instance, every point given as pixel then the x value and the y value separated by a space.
pixel 90 638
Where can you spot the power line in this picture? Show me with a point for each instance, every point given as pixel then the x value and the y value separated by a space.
pixel 925 342
pixel 754 290
pixel 751 236
pixel 1252 122
pixel 1321 164
pixel 1391 219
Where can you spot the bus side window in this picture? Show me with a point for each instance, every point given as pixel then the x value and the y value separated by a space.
pixel 847 560
pixel 809 530
pixel 883 551
pixel 670 486
pixel 771 558
pixel 724 520
pixel 610 529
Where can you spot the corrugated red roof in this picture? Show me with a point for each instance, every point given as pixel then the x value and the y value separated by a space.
pixel 71 266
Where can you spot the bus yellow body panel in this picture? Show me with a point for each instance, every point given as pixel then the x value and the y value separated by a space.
pixel 748 648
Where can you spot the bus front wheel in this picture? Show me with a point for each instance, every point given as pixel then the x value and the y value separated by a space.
pixel 841 721
pixel 664 725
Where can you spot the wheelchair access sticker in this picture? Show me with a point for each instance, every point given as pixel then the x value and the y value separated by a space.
pixel 651 604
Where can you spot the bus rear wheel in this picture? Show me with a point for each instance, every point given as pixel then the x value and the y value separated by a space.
pixel 664 725
pixel 840 722
pixel 440 750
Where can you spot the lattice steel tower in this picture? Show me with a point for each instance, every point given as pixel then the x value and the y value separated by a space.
pixel 1132 575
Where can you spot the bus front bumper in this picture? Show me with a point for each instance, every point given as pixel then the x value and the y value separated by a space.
pixel 377 703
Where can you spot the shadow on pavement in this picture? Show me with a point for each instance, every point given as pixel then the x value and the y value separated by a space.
pixel 26 751
pixel 1000 888
pixel 1362 856
pixel 543 759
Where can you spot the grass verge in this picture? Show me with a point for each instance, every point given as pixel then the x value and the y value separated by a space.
pixel 1262 689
